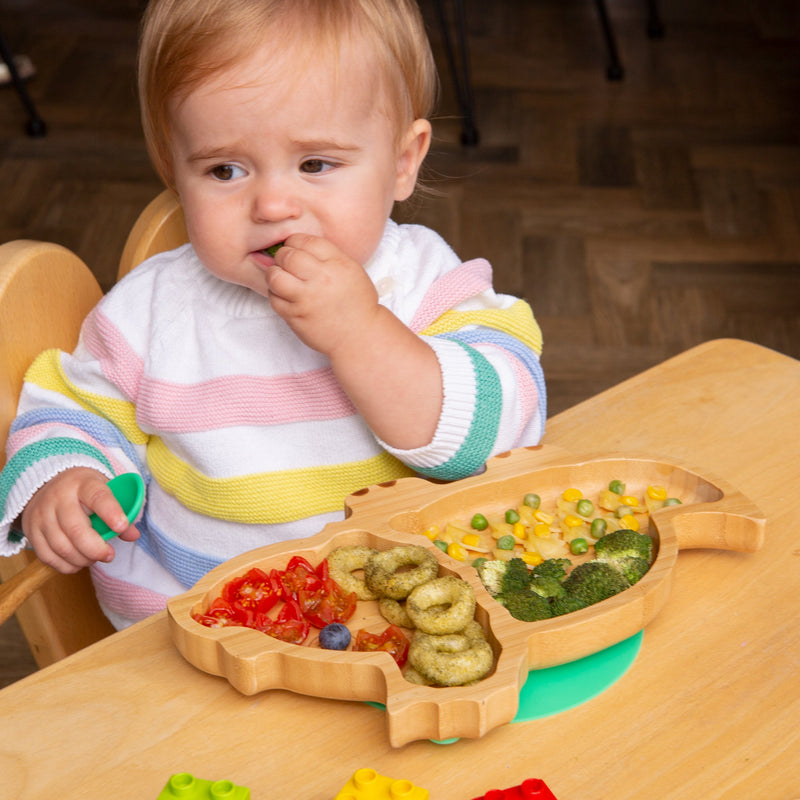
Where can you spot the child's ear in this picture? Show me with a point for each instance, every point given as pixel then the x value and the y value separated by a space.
pixel 413 149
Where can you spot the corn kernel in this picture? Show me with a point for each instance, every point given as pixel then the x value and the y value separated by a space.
pixel 518 529
pixel 573 521
pixel 530 557
pixel 572 495
pixel 456 551
pixel 630 522
pixel 432 532
pixel 471 539
pixel 543 516
pixel 629 500
pixel 656 492
pixel 542 530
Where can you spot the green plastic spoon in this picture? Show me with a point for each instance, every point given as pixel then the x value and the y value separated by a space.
pixel 128 488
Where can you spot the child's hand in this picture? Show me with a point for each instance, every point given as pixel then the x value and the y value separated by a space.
pixel 324 296
pixel 389 373
pixel 56 520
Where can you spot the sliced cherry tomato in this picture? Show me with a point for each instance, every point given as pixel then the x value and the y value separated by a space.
pixel 327 603
pixel 256 592
pixel 299 574
pixel 289 626
pixel 392 640
pixel 221 614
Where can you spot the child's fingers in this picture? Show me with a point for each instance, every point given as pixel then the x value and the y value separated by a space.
pixel 96 496
pixel 85 545
pixel 130 535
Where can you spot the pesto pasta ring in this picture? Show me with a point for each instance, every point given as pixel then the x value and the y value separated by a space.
pixel 454 659
pixel 386 574
pixel 441 606
pixel 343 562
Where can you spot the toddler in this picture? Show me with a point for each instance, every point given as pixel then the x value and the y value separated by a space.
pixel 303 345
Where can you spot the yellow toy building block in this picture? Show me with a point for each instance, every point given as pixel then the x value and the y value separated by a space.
pixel 366 784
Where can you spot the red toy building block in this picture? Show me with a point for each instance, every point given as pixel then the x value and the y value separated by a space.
pixel 532 789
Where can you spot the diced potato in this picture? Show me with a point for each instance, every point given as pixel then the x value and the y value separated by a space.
pixel 457 530
pixel 608 500
pixel 553 547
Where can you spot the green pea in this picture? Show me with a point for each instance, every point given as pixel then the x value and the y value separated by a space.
pixel 598 527
pixel 478 561
pixel 441 544
pixel 511 516
pixel 618 487
pixel 532 500
pixel 672 501
pixel 479 522
pixel 578 546
pixel 506 542
pixel 274 249
pixel 621 511
pixel 585 507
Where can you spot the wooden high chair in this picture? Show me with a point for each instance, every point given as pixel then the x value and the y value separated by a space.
pixel 45 293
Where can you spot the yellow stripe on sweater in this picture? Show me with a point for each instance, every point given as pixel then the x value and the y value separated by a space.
pixel 268 497
pixel 47 372
pixel 517 320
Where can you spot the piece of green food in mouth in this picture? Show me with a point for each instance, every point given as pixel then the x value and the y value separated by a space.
pixel 274 249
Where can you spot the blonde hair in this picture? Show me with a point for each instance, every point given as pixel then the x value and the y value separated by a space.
pixel 185 43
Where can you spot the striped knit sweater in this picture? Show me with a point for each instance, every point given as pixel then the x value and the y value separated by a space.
pixel 241 432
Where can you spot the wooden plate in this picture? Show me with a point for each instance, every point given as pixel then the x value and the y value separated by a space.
pixel 712 515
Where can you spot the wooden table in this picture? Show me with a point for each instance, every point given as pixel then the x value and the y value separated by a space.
pixel 709 709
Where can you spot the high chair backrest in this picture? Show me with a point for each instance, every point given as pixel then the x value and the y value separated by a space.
pixel 45 293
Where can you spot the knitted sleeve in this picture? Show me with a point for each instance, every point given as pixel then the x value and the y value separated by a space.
pixel 488 346
pixel 71 414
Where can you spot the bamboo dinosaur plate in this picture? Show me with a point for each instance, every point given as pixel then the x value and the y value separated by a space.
pixel 712 515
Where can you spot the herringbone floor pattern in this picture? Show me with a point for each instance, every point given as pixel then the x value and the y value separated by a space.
pixel 638 217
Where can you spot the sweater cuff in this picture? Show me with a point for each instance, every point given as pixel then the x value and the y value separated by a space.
pixel 460 380
pixel 23 476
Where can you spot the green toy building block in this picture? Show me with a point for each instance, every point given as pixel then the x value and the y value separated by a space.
pixel 366 784
pixel 184 786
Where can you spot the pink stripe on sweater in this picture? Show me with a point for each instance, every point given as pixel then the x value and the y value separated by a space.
pixel 220 402
pixel 119 362
pixel 126 599
pixel 241 400
pixel 471 278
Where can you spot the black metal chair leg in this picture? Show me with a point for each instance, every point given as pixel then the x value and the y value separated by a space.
pixel 36 126
pixel 614 70
pixel 655 27
pixel 460 72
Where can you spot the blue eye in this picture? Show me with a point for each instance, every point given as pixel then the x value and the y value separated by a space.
pixel 226 172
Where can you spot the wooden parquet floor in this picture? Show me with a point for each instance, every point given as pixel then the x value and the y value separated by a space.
pixel 638 217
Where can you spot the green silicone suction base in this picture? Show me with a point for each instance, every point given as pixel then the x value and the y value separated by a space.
pixel 556 689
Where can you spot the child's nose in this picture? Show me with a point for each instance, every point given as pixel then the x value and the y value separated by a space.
pixel 273 200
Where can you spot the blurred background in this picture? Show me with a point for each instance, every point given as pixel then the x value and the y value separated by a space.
pixel 639 216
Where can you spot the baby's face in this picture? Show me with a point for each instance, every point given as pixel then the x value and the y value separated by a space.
pixel 270 148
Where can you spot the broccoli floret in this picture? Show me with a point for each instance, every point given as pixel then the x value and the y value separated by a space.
pixel 594 581
pixel 566 604
pixel 623 544
pixel 553 568
pixel 546 587
pixel 491 574
pixel 632 568
pixel 527 606
pixel 517 577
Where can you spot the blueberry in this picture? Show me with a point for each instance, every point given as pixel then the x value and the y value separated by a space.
pixel 334 636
